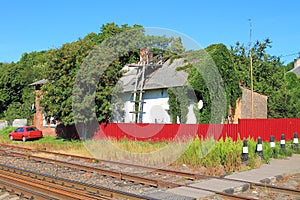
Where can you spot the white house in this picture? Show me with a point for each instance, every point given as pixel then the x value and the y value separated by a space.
pixel 155 105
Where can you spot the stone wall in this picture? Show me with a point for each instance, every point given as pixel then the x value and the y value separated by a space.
pixel 244 106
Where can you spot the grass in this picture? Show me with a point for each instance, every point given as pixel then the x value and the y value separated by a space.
pixel 74 147
pixel 4 133
pixel 223 156
pixel 138 147
pixel 142 153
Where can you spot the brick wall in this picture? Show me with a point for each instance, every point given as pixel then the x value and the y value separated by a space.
pixel 38 117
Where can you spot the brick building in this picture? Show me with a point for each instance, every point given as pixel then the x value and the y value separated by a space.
pixel 45 124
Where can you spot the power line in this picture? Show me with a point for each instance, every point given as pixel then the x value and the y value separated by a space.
pixel 290 55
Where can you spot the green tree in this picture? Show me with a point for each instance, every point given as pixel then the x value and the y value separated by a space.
pixel 87 59
pixel 34 65
pixel 179 102
pixel 176 46
pixel 215 82
pixel 21 109
pixel 12 83
pixel 224 62
pixel 269 77
pixel 15 95
pixel 63 63
pixel 285 100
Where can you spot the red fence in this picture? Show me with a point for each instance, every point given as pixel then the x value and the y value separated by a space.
pixel 252 128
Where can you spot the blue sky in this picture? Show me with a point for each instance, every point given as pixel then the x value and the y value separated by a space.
pixel 35 25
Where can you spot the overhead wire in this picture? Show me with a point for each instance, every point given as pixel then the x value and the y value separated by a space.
pixel 292 54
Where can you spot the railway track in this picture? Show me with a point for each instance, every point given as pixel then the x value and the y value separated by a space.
pixel 101 171
pixel 139 179
pixel 42 186
pixel 186 175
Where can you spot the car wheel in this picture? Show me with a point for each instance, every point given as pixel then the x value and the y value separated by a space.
pixel 24 139
pixel 11 137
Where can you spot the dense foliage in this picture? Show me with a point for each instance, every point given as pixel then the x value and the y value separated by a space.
pixel 60 66
pixel 63 63
pixel 179 102
pixel 215 82
pixel 270 78
pixel 84 73
pixel 16 97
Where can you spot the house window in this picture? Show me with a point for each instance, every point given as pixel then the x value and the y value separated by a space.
pixel 47 121
pixel 52 122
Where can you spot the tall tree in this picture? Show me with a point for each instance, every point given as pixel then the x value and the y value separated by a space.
pixel 224 62
pixel 85 59
pixel 16 97
pixel 56 98
pixel 215 83
pixel 11 85
pixel 269 76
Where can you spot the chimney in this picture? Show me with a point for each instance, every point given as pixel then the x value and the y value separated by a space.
pixel 297 63
pixel 145 55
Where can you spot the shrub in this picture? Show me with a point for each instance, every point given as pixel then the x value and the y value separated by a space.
pixel 5 131
pixel 211 154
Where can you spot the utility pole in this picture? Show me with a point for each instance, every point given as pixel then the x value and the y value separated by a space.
pixel 251 72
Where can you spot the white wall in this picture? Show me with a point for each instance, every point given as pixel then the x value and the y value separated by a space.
pixel 191 117
pixel 122 114
pixel 155 108
pixel 19 122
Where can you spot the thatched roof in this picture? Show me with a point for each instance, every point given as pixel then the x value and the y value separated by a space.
pixel 156 76
pixel 296 71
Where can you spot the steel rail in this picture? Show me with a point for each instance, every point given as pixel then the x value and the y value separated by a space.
pixel 190 176
pixel 33 187
pixel 45 188
pixel 156 183
pixel 104 172
pixel 50 185
pixel 22 191
pixel 75 189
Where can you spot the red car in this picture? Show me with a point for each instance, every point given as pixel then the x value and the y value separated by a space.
pixel 25 132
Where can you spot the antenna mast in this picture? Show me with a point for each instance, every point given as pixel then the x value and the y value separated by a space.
pixel 251 71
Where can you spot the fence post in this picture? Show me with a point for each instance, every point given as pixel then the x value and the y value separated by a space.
pixel 282 142
pixel 272 144
pixel 272 141
pixel 259 148
pixel 295 141
pixel 245 151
